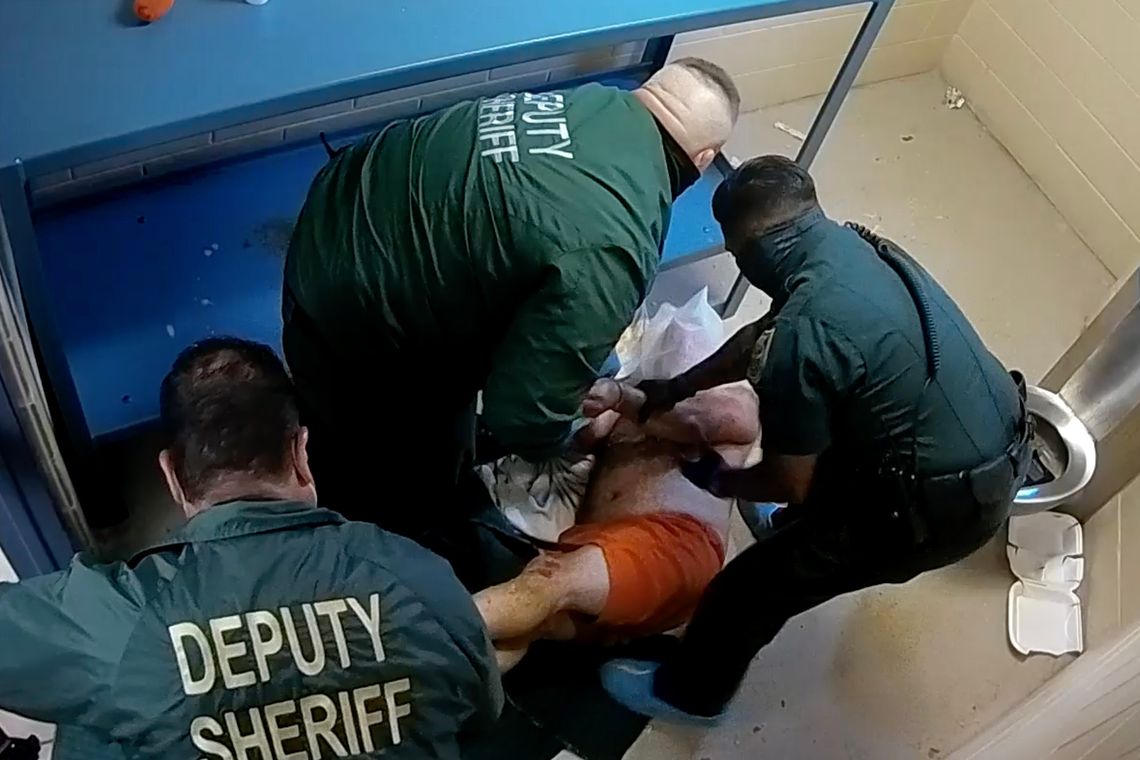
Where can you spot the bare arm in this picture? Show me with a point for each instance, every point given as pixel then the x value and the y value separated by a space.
pixel 716 417
pixel 726 415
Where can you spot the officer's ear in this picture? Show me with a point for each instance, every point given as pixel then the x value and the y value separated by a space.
pixel 301 458
pixel 704 159
pixel 166 464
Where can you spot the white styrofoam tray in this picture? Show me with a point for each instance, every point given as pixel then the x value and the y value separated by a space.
pixel 1047 534
pixel 1055 570
pixel 1044 613
pixel 1044 619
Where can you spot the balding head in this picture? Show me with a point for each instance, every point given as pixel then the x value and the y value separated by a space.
pixel 697 102
pixel 230 416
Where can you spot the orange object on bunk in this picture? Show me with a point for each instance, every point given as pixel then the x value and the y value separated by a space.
pixel 152 10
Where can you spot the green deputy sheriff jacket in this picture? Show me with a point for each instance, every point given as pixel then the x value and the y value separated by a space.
pixel 503 244
pixel 261 627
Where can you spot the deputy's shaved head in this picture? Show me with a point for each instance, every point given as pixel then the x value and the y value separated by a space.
pixel 697 102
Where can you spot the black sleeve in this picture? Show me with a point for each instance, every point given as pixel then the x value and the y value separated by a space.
pixel 802 368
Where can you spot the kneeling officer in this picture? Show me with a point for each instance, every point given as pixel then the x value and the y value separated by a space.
pixel 265 627
pixel 897 438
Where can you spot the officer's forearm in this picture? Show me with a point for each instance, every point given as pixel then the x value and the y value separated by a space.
pixel 730 362
pixel 764 482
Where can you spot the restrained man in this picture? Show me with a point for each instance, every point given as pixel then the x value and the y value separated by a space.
pixel 265 625
pixel 647 541
pixel 896 436
pixel 501 245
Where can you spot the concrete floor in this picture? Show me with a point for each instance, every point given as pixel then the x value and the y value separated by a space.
pixel 909 671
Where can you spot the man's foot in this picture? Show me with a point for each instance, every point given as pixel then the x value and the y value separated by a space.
pixel 630 683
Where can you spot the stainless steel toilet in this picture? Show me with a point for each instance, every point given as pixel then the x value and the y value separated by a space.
pixel 1064 447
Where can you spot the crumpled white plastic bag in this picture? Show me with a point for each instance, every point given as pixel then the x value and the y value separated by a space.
pixel 541 499
pixel 669 342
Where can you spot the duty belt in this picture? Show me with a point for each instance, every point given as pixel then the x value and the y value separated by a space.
pixel 992 483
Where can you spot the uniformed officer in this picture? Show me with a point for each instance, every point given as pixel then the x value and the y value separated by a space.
pixel 265 626
pixel 501 245
pixel 897 438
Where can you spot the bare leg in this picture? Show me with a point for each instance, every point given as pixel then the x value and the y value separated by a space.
pixel 528 606
pixel 559 627
pixel 510 653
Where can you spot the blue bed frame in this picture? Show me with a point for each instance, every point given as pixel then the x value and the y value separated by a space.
pixel 115 285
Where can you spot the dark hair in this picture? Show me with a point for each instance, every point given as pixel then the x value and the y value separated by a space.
pixel 227 406
pixel 763 192
pixel 716 76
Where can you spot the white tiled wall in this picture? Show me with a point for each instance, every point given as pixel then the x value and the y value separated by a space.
pixel 1058 82
pixel 339 116
pixel 782 59
pixel 1112 549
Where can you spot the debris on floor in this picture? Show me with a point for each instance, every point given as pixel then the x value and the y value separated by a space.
pixel 788 129
pixel 875 222
pixel 954 98
pixel 907 138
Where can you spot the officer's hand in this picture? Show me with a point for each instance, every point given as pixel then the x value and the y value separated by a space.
pixel 603 396
pixel 660 396
pixel 596 431
pixel 705 472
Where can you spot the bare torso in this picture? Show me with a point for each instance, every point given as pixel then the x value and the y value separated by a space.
pixel 635 476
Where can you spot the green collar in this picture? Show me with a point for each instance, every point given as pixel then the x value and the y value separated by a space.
pixel 683 173
pixel 243 518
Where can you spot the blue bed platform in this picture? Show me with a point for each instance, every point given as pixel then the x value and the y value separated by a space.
pixel 113 286
pixel 139 273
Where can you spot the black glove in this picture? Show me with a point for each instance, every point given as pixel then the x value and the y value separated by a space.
pixel 487 447
pixel 18 749
pixel 704 473
pixel 660 396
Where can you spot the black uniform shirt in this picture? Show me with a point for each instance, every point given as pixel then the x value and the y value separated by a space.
pixel 843 368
